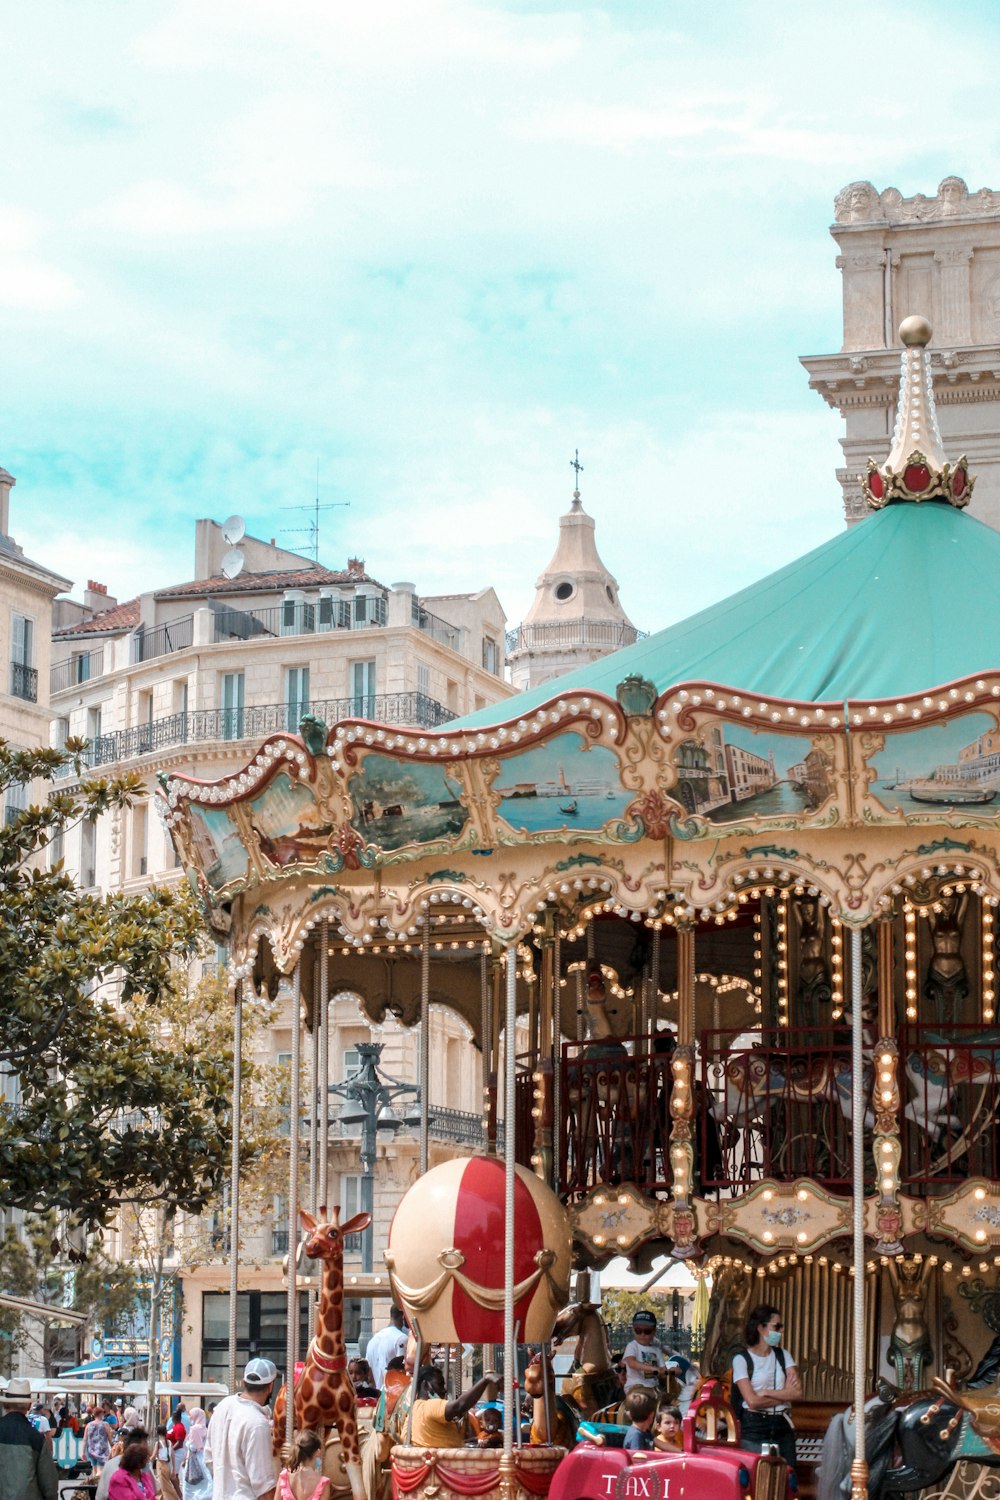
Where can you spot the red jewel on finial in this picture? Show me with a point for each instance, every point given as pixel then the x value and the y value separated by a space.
pixel 958 482
pixel 875 484
pixel 916 477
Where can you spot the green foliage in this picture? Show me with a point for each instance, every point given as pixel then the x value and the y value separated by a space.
pixel 619 1307
pixel 33 1266
pixel 109 1111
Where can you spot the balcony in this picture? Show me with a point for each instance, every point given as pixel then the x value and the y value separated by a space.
pixel 76 669
pixel 297 617
pixel 23 682
pixel 605 635
pixel 161 640
pixel 207 725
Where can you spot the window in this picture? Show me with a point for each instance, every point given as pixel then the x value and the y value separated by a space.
pixel 261 1324
pixel 363 689
pixel 297 617
pixel 22 640
pixel 94 723
pixel 352 1062
pixel 350 1204
pixel 62 733
pixel 564 591
pixel 88 852
pixel 15 802
pixel 296 695
pixel 369 609
pixel 423 679
pixel 140 840
pixel 491 655
pixel 231 704
pixel 23 677
pixel 80 666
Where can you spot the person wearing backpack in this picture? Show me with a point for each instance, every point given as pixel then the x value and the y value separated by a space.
pixel 765 1383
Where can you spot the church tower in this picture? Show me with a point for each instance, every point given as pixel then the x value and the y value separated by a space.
pixel 576 615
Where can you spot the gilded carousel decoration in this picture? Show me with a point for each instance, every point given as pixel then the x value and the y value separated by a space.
pixel 730 896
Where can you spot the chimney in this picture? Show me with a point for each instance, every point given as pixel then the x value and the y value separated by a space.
pixel 7 483
pixel 96 597
pixel 355 566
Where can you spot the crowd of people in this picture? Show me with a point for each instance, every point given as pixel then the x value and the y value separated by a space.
pixel 228 1453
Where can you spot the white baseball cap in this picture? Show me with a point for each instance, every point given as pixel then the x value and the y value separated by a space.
pixel 260 1372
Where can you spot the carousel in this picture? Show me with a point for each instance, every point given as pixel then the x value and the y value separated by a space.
pixel 721 910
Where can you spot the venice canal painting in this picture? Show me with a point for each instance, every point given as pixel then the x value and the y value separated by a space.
pixel 949 767
pixel 398 803
pixel 565 783
pixel 729 773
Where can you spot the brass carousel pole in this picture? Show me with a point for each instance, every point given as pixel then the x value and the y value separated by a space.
pixel 425 1042
pixel 314 1088
pixel 292 1338
pixel 508 1487
pixel 234 1179
pixel 859 1468
pixel 324 1064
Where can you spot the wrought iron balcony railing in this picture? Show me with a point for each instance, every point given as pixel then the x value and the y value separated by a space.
pixel 23 682
pixel 76 669
pixel 298 617
pixel 204 725
pixel 161 640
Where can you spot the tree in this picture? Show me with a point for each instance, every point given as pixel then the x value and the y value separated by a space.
pixel 33 1266
pixel 163 1241
pixel 99 1111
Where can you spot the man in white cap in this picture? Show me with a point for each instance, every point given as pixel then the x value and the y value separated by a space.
pixel 238 1450
pixel 27 1469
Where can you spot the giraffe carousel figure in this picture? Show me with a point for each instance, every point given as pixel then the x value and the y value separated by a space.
pixel 324 1398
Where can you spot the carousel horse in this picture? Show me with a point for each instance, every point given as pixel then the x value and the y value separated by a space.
pixel 932 1431
pixel 597 1384
pixel 324 1396
pixel 934 1075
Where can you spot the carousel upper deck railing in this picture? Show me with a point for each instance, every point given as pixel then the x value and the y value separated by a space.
pixel 949 1128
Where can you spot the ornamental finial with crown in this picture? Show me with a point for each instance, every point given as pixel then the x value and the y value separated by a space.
pixel 916 468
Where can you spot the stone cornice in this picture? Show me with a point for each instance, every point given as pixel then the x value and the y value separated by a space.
pixel 860 378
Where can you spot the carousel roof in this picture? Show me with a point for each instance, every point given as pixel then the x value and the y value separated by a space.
pixel 904 602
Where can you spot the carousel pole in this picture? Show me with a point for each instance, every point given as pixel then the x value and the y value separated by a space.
pixel 292 1332
pixel 654 989
pixel 859 1468
pixel 425 1050
pixel 557 1130
pixel 314 1101
pixel 508 1487
pixel 324 1065
pixel 234 1178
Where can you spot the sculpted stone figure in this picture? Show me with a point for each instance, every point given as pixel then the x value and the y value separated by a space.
pixel 857 203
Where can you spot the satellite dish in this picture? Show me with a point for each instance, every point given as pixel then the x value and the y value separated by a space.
pixel 232 563
pixel 233 531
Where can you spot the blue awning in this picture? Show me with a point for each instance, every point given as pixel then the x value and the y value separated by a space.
pixel 102 1366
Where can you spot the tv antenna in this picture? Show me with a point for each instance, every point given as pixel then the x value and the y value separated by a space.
pixel 313 511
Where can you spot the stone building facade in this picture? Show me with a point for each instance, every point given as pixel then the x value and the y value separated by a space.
pixel 193 676
pixel 939 257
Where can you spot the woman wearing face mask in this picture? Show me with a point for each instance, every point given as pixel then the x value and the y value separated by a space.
pixel 768 1382
pixel 303 1479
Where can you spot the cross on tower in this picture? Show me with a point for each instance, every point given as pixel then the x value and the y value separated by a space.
pixel 575 463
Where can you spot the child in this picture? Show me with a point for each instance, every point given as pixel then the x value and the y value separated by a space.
pixel 164 1465
pixel 668 1428
pixel 643 1358
pixel 640 1406
pixel 490 1418
pixel 303 1479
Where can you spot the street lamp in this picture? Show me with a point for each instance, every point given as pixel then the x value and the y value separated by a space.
pixel 369 1096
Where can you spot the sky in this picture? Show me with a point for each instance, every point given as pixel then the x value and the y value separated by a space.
pixel 431 248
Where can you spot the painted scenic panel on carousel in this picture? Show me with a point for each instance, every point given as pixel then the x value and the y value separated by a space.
pixel 399 802
pixel 567 782
pixel 948 768
pixel 217 845
pixel 290 826
pixel 731 773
